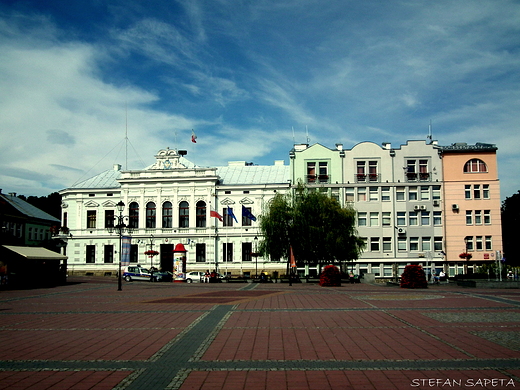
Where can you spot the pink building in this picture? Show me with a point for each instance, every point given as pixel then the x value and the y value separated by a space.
pixel 471 206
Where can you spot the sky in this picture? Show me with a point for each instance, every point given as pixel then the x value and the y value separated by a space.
pixel 88 84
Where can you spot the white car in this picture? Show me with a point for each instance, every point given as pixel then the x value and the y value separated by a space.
pixel 195 277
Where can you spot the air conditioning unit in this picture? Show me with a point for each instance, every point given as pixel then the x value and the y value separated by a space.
pixel 423 207
pixel 436 203
pixel 401 231
pixel 454 206
pixel 416 208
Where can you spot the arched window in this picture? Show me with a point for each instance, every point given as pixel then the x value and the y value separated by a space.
pixel 150 215
pixel 475 165
pixel 167 215
pixel 184 214
pixel 133 215
pixel 201 214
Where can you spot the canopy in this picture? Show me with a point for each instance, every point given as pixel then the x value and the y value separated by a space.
pixel 35 252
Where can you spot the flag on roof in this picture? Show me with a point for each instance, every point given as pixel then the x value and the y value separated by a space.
pixel 213 213
pixel 230 213
pixel 193 137
pixel 246 213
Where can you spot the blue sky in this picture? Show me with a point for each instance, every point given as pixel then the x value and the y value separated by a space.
pixel 75 75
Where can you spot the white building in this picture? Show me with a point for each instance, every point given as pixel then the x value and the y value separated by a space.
pixel 169 203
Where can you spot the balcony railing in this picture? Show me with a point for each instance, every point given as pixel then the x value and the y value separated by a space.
pixel 368 178
pixel 415 177
pixel 318 179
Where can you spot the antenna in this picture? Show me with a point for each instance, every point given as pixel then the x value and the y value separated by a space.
pixel 429 137
pixel 126 135
pixel 307 132
pixel 293 140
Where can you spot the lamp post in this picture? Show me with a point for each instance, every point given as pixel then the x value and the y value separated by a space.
pixel 119 228
pixel 256 257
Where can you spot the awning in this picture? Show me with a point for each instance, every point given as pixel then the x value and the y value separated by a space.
pixel 35 252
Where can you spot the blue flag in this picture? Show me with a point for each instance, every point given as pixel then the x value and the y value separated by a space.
pixel 246 213
pixel 230 213
pixel 126 246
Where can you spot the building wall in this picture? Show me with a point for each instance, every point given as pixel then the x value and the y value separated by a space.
pixel 461 203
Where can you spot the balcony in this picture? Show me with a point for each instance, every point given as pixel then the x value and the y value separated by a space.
pixel 368 178
pixel 418 177
pixel 318 179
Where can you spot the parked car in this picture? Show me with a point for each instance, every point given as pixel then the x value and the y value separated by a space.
pixel 139 273
pixel 195 277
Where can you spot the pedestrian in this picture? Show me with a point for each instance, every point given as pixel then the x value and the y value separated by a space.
pixel 206 276
pixel 442 276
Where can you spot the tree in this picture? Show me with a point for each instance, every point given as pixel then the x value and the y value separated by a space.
pixel 319 230
pixel 510 222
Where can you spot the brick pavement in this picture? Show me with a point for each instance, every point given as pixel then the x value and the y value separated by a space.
pixel 88 335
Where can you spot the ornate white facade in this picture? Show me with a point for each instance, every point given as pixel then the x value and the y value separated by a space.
pixel 170 203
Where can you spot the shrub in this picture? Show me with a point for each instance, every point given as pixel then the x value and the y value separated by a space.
pixel 330 276
pixel 413 277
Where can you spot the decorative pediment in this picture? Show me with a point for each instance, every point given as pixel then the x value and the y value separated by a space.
pixel 91 203
pixel 108 203
pixel 246 201
pixel 167 159
pixel 227 201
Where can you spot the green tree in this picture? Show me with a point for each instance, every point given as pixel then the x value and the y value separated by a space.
pixel 315 225
pixel 510 222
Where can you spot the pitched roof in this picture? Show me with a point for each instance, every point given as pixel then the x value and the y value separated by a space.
pixel 253 174
pixel 28 209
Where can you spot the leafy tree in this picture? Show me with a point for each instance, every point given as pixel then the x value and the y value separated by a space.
pixel 510 222
pixel 51 203
pixel 315 225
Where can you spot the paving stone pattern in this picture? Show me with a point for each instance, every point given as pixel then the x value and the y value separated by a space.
pixel 88 335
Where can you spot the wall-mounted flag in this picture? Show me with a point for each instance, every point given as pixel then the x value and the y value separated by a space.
pixel 230 213
pixel 213 213
pixel 246 213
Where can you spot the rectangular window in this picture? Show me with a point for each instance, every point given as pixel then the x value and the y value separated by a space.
pixel 412 219
pixel 437 244
pixel 485 191
pixel 387 244
pixel 426 244
pixel 387 218
pixel 374 194
pixel 469 217
pixel 349 194
pixel 372 170
pixel 437 218
pixel 467 191
pixel 109 254
pixel 91 254
pixel 247 249
pixel 401 244
pixel 425 193
pixel 362 219
pixel 385 194
pixel 374 219
pixel 134 253
pixel 476 191
pixel 412 193
pixel 323 175
pixel 436 192
pixel 362 194
pixel 374 244
pixel 478 243
pixel 227 252
pixel 245 220
pixel 425 218
pixel 489 245
pixel 91 219
pixel 311 172
pixel 401 218
pixel 487 217
pixel 200 253
pixel 478 217
pixel 400 193
pixel 414 244
pixel 469 243
pixel 109 218
pixel 228 218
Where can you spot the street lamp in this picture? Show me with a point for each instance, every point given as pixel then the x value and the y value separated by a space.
pixel 119 228
pixel 256 257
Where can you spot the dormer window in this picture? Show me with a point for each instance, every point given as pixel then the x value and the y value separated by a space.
pixel 475 165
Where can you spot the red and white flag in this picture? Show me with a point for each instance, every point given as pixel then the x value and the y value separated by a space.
pixel 193 137
pixel 213 213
